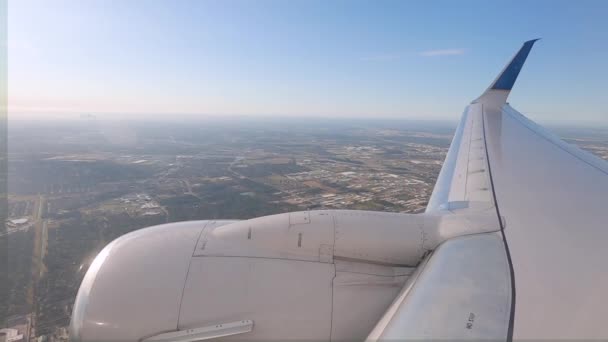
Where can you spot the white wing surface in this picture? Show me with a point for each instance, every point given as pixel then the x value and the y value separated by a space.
pixel 551 198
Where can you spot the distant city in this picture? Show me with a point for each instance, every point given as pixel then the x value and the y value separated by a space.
pixel 74 186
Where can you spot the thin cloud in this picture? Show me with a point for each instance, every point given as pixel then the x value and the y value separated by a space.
pixel 443 52
pixel 383 57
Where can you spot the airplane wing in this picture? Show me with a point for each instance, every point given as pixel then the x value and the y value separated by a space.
pixel 553 197
pixel 550 197
pixel 511 246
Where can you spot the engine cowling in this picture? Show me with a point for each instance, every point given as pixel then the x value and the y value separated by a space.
pixel 314 275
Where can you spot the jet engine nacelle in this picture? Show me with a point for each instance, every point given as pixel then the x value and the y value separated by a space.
pixel 313 275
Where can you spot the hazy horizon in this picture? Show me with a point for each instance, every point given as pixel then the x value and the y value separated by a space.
pixel 177 118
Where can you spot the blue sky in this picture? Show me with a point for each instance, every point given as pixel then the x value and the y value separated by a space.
pixel 410 59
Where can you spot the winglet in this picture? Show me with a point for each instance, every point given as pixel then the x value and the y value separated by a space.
pixel 501 87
